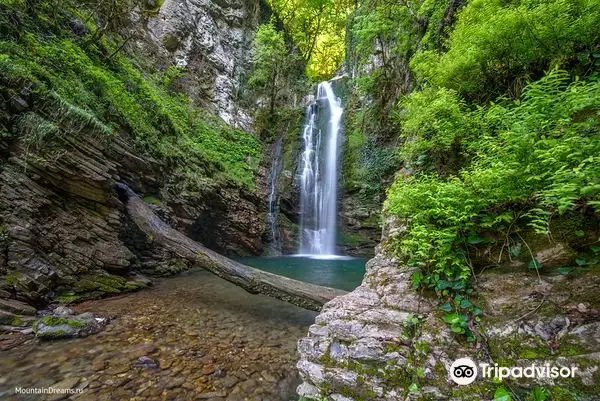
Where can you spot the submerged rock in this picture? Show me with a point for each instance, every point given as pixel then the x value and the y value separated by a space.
pixel 145 362
pixel 66 326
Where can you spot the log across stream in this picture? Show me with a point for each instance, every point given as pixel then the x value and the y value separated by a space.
pixel 255 281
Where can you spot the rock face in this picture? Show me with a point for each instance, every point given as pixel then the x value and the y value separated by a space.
pixel 212 40
pixel 359 220
pixel 384 341
pixel 63 231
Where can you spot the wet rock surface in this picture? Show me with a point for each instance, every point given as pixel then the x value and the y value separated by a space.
pixel 64 324
pixel 188 338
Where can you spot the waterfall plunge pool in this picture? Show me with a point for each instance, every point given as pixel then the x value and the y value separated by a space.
pixel 342 272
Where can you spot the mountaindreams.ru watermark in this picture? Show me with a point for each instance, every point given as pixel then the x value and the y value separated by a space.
pixel 464 371
pixel 47 390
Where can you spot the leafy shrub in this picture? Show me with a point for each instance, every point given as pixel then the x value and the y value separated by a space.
pixel 528 160
pixel 432 121
pixel 498 45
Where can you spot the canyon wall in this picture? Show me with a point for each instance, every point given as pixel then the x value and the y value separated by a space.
pixel 63 231
pixel 386 341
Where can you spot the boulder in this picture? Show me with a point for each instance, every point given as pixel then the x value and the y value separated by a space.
pixel 65 326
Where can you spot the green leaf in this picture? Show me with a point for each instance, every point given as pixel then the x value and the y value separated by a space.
pixel 444 284
pixel 590 190
pixel 579 233
pixel 451 318
pixel 465 303
pixel 417 279
pixel 446 307
pixel 534 264
pixel 515 250
pixel 564 270
pixel 413 388
pixel 475 239
pixel 538 394
pixel 595 248
pixel 502 394
pixel 581 261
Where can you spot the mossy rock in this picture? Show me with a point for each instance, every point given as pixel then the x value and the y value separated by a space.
pixel 67 297
pixel 152 200
pixel 171 42
pixel 96 286
pixel 54 327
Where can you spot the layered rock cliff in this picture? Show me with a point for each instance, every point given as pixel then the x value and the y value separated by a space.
pixel 63 232
pixel 212 40
pixel 385 341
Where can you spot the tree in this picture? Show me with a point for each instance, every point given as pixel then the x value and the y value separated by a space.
pixel 318 28
pixel 271 63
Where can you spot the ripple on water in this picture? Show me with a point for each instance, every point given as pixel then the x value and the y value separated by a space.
pixel 190 337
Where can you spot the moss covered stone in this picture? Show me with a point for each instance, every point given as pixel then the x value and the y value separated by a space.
pixel 53 327
pixel 60 320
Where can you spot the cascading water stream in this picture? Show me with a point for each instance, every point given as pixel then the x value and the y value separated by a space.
pixel 319 173
pixel 273 201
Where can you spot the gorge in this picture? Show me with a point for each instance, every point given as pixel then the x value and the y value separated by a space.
pixel 190 191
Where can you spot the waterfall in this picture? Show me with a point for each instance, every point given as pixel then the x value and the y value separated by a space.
pixel 273 201
pixel 319 173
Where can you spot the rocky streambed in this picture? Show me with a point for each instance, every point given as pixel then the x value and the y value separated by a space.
pixel 192 337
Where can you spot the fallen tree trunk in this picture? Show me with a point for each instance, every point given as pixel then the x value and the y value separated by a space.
pixel 255 281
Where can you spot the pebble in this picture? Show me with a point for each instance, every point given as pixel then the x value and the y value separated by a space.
pixel 212 394
pixel 230 381
pixel 145 362
pixel 147 354
pixel 208 369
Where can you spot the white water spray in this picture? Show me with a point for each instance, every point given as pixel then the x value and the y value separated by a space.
pixel 319 173
pixel 273 202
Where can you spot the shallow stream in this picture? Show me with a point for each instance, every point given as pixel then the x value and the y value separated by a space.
pixel 198 337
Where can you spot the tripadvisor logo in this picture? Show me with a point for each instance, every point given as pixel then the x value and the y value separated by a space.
pixel 464 371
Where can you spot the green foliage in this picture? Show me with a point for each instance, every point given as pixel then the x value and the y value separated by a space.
pixel 81 90
pixel 387 29
pixel 497 45
pixel 433 123
pixel 276 77
pixel 382 36
pixel 368 163
pixel 538 394
pixel 270 52
pixel 317 27
pixel 502 394
pixel 525 161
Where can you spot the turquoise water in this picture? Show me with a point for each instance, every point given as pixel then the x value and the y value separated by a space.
pixel 344 273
